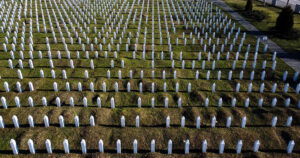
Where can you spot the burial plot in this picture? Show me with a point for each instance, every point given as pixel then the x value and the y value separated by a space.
pixel 140 76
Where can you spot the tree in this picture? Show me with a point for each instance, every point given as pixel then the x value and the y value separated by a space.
pixel 249 6
pixel 285 20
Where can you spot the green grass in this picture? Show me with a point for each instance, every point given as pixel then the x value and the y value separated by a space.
pixel 273 140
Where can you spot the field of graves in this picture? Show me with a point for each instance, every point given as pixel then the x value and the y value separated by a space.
pixel 145 78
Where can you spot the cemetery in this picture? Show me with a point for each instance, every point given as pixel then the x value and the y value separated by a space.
pixel 141 78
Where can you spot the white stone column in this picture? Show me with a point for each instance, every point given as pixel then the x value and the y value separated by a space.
pixel 187 147
pixel 92 121
pixel 137 121
pixel 256 146
pixel 76 121
pixel 61 121
pixel 112 103
pixel 14 147
pixel 122 121
pixel 168 120
pixel 119 146
pixel 15 121
pixel 221 147
pixel 30 121
pixel 239 147
pixel 48 146
pixel 135 146
pixel 243 123
pixel 290 147
pixel 2 125
pixel 66 146
pixel 83 146
pixel 152 146
pixel 170 146
pixel 274 121
pixel 31 146
pixel 101 146
pixel 4 103
pixel 198 122
pixel 182 122
pixel 204 146
pixel 46 121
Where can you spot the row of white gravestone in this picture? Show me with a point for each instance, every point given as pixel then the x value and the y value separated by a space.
pixel 138 120
pixel 173 65
pixel 166 102
pixel 209 40
pixel 83 144
pixel 128 39
pixel 212 123
pixel 219 75
pixel 207 56
pixel 144 49
pixel 209 45
pixel 134 56
pixel 229 77
pixel 113 37
pixel 87 55
pixel 135 48
pixel 46 121
pixel 154 87
pixel 163 75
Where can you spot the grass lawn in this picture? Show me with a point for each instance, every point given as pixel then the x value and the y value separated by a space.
pixel 290 45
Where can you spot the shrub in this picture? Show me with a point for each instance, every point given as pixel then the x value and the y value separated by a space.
pixel 285 20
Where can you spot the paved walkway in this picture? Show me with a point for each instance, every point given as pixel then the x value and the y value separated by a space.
pixel 285 56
